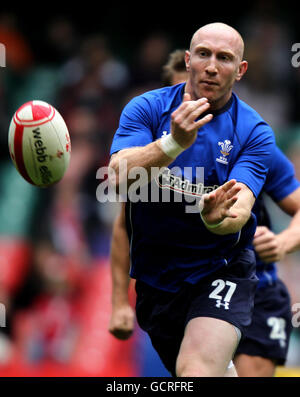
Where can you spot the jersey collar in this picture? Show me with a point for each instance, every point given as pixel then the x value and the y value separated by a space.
pixel 215 112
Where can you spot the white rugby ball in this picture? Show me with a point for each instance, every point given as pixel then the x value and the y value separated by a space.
pixel 39 143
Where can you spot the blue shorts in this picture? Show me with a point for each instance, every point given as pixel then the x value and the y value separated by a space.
pixel 269 333
pixel 227 294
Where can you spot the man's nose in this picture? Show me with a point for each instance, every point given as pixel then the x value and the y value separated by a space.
pixel 211 67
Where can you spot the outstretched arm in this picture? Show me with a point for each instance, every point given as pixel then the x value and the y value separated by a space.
pixel 227 209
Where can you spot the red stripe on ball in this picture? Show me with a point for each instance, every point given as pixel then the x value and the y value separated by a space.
pixel 18 148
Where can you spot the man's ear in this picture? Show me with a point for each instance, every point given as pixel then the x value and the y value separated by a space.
pixel 242 70
pixel 187 60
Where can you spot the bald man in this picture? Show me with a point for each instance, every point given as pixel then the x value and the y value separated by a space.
pixel 192 159
pixel 215 85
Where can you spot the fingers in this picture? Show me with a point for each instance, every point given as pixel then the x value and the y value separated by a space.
pixel 231 202
pixel 186 97
pixel 189 111
pixel 187 108
pixel 201 202
pixel 192 116
pixel 269 259
pixel 226 193
pixel 269 256
pixel 206 119
pixel 218 204
pixel 266 237
pixel 260 230
pixel 121 334
pixel 229 189
pixel 230 214
pixel 266 246
pixel 209 202
pixel 122 322
pixel 228 185
pixel 209 198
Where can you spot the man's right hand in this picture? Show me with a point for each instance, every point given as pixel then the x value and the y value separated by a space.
pixel 184 128
pixel 121 323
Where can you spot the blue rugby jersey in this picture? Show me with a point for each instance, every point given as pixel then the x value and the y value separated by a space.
pixel 280 183
pixel 168 245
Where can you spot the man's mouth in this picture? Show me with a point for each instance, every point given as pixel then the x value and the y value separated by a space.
pixel 209 82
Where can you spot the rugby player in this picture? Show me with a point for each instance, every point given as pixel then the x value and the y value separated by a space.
pixel 196 274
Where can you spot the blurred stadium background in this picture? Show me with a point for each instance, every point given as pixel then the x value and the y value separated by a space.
pixel 54 243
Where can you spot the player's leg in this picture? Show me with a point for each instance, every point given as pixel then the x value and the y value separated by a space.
pixel 265 341
pixel 254 366
pixel 207 347
pixel 219 301
pixel 161 314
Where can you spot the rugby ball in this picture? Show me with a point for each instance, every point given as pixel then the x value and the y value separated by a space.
pixel 39 143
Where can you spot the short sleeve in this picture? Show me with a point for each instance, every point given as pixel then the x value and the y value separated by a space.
pixel 255 159
pixel 281 180
pixel 135 126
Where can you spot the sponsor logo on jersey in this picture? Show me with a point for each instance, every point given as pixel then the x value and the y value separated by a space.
pixel 166 180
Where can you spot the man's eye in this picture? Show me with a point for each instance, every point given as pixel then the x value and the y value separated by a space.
pixel 225 58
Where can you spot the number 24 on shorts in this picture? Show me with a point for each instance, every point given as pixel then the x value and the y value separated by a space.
pixel 220 285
